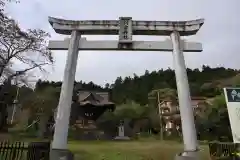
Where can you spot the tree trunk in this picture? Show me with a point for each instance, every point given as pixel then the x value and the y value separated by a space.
pixel 3 118
pixel 42 126
pixel 2 67
pixel 1 70
pixel 4 102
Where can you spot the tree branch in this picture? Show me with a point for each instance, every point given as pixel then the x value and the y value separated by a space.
pixel 21 72
pixel 15 43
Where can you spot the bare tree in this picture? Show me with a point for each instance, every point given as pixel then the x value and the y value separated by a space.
pixel 3 2
pixel 12 75
pixel 28 47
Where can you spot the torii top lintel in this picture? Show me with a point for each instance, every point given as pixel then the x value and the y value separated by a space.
pixel 111 27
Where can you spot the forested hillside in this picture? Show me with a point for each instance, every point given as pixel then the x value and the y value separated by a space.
pixel 205 82
pixel 138 87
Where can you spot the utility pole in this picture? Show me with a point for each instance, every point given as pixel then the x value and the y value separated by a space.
pixel 160 116
pixel 15 101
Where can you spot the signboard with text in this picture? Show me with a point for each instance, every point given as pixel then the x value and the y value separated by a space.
pixel 232 96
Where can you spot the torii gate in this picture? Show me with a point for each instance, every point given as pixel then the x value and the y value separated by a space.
pixel 125 27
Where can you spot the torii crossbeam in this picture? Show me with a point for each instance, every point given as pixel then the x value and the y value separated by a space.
pixel 111 45
pixel 125 27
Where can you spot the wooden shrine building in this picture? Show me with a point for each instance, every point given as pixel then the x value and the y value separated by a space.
pixel 91 105
pixel 87 107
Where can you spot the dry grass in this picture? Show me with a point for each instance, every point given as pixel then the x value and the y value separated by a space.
pixel 132 150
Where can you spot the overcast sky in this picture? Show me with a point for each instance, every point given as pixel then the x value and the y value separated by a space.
pixel 219 35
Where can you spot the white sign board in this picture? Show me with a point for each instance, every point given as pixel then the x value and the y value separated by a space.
pixel 232 96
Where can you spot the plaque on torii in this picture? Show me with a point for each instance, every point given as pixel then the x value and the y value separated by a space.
pixel 126 28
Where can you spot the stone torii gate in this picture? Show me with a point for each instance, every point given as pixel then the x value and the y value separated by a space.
pixel 125 27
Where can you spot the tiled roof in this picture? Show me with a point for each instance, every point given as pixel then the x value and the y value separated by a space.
pixel 94 98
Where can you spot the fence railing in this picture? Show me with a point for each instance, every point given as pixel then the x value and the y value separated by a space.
pixel 224 151
pixel 24 151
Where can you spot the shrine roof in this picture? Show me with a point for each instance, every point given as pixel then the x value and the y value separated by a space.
pixel 94 98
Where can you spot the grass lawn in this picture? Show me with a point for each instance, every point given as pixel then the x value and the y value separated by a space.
pixel 144 149
pixel 129 150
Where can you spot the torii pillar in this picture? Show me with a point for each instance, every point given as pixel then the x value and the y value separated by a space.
pixel 125 27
